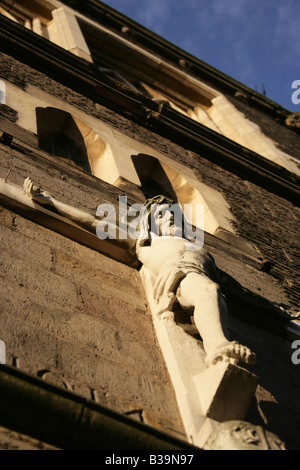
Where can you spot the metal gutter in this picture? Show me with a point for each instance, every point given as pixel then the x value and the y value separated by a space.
pixel 70 422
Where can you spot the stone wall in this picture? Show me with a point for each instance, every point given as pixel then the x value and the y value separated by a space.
pixel 269 222
pixel 75 317
pixel 10 440
pixel 79 319
pixel 260 215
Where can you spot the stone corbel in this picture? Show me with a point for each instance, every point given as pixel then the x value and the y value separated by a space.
pixel 238 435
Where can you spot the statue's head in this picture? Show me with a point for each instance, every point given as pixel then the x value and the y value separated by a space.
pixel 240 435
pixel 164 218
pixel 161 216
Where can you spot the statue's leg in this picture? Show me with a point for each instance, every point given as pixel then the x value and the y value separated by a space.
pixel 204 295
pixel 210 317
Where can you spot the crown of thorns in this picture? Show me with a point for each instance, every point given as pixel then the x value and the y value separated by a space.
pixel 157 200
pixel 150 204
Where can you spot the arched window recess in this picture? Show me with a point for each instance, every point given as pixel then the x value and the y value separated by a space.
pixel 68 138
pixel 158 177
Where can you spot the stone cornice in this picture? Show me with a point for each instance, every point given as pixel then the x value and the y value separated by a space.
pixel 142 36
pixel 81 76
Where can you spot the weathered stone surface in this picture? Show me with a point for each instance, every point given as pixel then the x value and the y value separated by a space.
pixel 49 315
pixel 117 312
pixel 85 276
pixel 11 440
pixel 275 406
pixel 79 320
pixel 36 278
pixel 34 348
pixel 8 113
pixel 128 382
pixel 19 246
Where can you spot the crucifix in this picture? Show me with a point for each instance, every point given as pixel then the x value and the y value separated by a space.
pixel 174 271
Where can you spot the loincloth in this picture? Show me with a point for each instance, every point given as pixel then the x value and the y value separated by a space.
pixel 169 279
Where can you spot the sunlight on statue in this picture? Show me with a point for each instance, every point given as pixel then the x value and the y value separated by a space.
pixel 43 198
pixel 188 275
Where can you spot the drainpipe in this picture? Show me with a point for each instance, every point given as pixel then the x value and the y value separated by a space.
pixel 68 421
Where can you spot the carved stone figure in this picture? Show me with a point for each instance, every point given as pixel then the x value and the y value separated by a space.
pixel 293 120
pixel 182 273
pixel 240 435
pixel 187 274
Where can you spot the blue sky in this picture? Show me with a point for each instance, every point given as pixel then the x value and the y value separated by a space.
pixel 257 42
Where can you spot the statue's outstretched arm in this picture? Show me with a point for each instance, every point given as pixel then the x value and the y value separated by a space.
pixel 72 213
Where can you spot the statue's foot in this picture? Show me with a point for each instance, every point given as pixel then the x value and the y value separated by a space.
pixel 231 352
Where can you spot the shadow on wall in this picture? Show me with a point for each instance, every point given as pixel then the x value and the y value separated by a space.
pixel 275 406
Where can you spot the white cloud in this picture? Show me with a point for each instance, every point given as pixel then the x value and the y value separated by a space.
pixel 154 14
pixel 287 28
pixel 229 8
